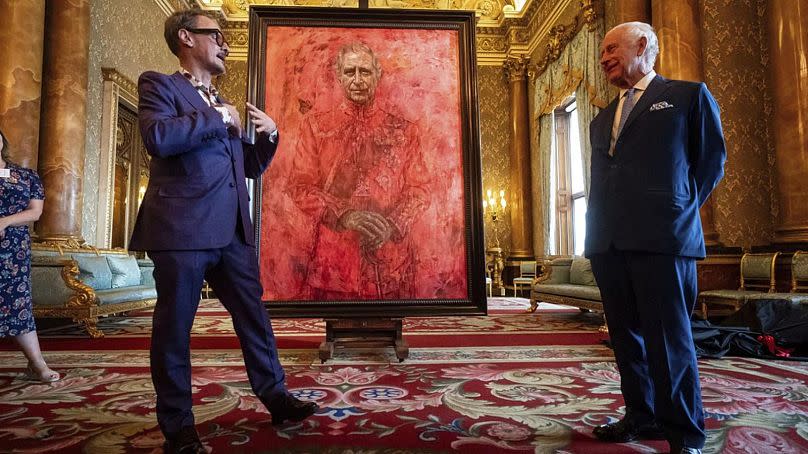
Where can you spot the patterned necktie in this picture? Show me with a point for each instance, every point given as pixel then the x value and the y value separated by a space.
pixel 628 104
pixel 210 94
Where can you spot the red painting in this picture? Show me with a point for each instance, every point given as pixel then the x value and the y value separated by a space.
pixel 365 198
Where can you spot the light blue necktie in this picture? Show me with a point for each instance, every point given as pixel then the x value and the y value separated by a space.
pixel 628 104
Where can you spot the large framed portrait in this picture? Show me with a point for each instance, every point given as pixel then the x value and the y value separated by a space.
pixel 371 206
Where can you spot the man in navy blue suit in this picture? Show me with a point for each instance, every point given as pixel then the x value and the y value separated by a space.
pixel 195 224
pixel 657 153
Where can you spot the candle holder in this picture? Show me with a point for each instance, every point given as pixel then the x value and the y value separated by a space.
pixel 495 208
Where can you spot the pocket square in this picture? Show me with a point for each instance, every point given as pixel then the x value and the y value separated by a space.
pixel 660 105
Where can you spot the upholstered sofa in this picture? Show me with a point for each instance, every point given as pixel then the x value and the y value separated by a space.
pixel 568 281
pixel 87 283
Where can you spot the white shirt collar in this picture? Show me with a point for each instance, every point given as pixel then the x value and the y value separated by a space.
pixel 641 84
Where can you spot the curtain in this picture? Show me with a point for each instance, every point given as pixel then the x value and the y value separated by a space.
pixel 543 207
pixel 577 71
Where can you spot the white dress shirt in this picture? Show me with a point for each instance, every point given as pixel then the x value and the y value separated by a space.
pixel 639 89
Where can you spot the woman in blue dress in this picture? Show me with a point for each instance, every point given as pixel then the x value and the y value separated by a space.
pixel 21 201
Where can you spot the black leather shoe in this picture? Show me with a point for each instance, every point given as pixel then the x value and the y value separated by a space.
pixel 623 432
pixel 287 407
pixel 186 441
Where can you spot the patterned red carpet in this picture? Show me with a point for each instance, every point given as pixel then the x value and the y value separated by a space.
pixel 509 382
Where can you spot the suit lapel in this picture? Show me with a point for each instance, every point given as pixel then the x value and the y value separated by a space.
pixel 188 91
pixel 657 87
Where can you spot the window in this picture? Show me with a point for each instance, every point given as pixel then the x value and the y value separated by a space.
pixel 568 216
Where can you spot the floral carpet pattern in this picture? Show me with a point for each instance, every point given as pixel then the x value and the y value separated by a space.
pixel 536 395
pixel 506 316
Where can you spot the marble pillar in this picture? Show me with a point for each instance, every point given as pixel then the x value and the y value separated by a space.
pixel 520 191
pixel 788 46
pixel 619 11
pixel 22 23
pixel 679 31
pixel 63 125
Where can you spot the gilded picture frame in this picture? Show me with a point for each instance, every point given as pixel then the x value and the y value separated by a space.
pixel 372 204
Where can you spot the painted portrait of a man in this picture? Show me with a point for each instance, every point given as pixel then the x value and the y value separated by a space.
pixel 364 200
pixel 363 182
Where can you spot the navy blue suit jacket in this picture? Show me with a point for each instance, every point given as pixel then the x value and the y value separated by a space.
pixel 668 158
pixel 197 194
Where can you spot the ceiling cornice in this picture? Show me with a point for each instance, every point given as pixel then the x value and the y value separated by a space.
pixel 501 32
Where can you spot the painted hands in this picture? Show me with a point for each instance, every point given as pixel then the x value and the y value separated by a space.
pixel 374 228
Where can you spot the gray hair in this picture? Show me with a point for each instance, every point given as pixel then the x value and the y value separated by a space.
pixel 357 48
pixel 636 30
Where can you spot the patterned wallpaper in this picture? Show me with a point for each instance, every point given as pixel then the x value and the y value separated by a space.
pixel 495 139
pixel 233 84
pixel 735 70
pixel 126 36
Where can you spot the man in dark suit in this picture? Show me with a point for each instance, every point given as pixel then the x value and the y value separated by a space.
pixel 657 153
pixel 195 224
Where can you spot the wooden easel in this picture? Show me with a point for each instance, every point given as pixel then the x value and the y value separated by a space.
pixel 363 333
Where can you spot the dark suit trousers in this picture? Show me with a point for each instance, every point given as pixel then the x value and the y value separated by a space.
pixel 648 299
pixel 232 272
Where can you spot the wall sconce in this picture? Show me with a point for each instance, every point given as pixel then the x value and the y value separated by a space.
pixel 495 263
pixel 496 209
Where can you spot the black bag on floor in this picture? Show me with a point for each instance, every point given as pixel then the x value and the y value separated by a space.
pixel 784 320
pixel 717 341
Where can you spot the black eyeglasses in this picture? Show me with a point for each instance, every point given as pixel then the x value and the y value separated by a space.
pixel 217 34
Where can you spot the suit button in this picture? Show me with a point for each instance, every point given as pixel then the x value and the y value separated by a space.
pixel 612 166
pixel 232 185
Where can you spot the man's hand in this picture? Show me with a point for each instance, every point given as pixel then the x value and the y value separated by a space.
pixel 262 122
pixel 234 125
pixel 373 227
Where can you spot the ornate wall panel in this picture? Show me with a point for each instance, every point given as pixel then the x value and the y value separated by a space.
pixel 126 36
pixel 233 85
pixel 735 71
pixel 501 30
pixel 489 11
pixel 495 137
pixel 119 93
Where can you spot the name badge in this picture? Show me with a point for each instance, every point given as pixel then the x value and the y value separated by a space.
pixel 5 173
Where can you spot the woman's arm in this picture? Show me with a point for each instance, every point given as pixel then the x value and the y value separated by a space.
pixel 30 214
